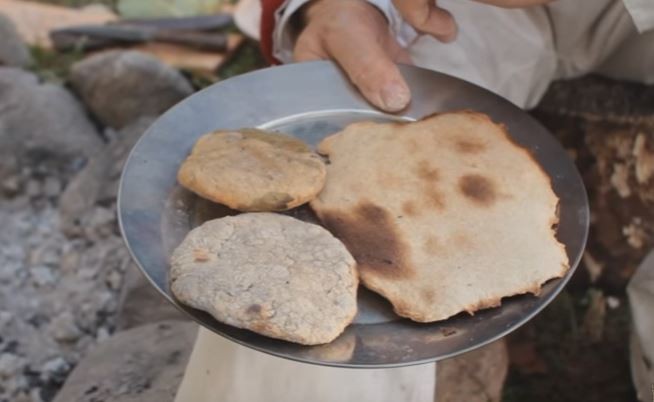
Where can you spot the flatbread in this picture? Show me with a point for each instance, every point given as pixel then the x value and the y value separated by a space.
pixel 443 215
pixel 253 170
pixel 269 273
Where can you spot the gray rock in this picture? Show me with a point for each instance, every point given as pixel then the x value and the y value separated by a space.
pixel 37 117
pixel 13 51
pixel 35 395
pixel 140 303
pixel 5 319
pixel 102 334
pixel 10 185
pixel 40 323
pixel 9 271
pixel 476 376
pixel 144 364
pixel 99 222
pixel 42 276
pixel 64 329
pixel 51 187
pixel 121 86
pixel 54 368
pixel 98 180
pixel 10 365
pixel 33 188
pixel 114 280
pixel 46 253
pixel 23 397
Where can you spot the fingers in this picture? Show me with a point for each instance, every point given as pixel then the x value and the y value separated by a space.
pixel 371 69
pixel 357 37
pixel 425 16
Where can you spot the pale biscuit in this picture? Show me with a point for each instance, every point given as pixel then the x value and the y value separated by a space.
pixel 269 273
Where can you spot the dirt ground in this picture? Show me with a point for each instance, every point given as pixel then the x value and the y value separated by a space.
pixel 555 358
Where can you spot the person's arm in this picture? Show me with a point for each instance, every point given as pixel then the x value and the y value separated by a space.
pixel 278 28
pixel 365 37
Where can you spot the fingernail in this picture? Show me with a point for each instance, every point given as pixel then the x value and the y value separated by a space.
pixel 395 96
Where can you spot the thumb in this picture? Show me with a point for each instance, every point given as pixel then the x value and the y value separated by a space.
pixel 306 49
pixel 373 72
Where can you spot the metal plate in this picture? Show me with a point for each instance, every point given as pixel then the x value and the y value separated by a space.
pixel 310 101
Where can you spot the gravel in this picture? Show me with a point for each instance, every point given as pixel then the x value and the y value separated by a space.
pixel 58 294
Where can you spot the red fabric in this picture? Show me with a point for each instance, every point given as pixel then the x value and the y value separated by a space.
pixel 268 8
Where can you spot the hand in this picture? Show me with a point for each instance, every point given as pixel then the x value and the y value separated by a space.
pixel 426 17
pixel 356 35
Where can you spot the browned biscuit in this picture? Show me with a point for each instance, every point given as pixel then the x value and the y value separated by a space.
pixel 253 170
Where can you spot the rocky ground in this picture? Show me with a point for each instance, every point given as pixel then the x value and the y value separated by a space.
pixel 62 261
pixel 70 298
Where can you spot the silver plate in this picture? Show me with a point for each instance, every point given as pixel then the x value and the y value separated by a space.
pixel 310 101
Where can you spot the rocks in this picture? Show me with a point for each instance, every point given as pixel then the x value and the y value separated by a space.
pixel 476 376
pixel 5 319
pixel 56 296
pixel 144 364
pixel 121 86
pixel 51 187
pixel 10 365
pixel 40 119
pixel 55 368
pixel 10 186
pixel 62 261
pixel 13 51
pixel 63 328
pixel 141 304
pixel 42 276
pixel 98 181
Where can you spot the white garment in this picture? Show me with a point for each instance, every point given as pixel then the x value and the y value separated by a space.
pixel 516 53
pixel 641 304
pixel 222 371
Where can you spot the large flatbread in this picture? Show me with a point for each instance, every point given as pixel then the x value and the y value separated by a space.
pixel 269 273
pixel 443 215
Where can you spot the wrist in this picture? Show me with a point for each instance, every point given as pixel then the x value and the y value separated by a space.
pixel 300 18
pixel 316 8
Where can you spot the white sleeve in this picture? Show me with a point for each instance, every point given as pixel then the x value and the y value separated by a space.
pixel 642 12
pixel 283 40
